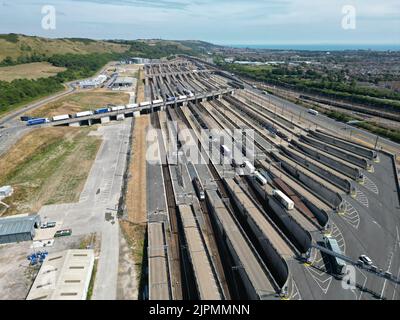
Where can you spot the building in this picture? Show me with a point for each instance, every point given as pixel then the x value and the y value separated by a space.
pixel 124 82
pixel 64 276
pixel 93 83
pixel 18 228
pixel 6 191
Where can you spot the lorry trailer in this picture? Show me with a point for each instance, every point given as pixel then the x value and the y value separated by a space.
pixel 61 117
pixel 83 114
pixel 118 108
pixel 283 199
pixel 102 110
pixel 37 121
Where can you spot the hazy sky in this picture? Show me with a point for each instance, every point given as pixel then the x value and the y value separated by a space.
pixel 218 21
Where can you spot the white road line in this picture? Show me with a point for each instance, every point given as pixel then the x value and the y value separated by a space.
pixel 370 185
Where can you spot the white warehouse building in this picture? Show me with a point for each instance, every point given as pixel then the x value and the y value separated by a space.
pixel 93 83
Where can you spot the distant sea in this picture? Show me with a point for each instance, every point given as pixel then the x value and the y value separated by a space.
pixel 321 47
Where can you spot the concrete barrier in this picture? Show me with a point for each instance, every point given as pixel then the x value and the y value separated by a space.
pixel 352 172
pixel 105 120
pixel 346 145
pixel 343 184
pixel 275 263
pixel 320 215
pixel 361 162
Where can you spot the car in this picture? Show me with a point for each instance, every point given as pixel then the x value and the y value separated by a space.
pixel 63 233
pixel 366 260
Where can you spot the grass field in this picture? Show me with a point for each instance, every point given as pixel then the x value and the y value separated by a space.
pixel 80 101
pixel 26 46
pixel 47 166
pixel 31 71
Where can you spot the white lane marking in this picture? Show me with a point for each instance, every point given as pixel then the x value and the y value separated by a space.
pixel 362 198
pixel 351 215
pixel 370 185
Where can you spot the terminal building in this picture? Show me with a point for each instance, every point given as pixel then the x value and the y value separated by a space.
pixel 124 82
pixel 18 228
pixel 64 276
pixel 93 83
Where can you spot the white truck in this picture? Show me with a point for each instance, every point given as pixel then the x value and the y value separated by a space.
pixel 132 106
pixel 145 104
pixel 118 108
pixel 283 199
pixel 83 114
pixel 158 101
pixel 182 97
pixel 260 178
pixel 61 117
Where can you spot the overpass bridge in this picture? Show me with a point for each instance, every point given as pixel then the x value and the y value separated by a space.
pixel 136 112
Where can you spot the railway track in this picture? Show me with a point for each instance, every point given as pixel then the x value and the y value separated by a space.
pixel 174 241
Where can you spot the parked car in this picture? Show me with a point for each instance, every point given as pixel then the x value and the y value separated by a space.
pixel 366 260
pixel 63 233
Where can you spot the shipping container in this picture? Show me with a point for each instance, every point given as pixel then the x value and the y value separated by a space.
pixel 61 117
pixel 283 199
pixel 37 121
pixel 83 114
pixel 102 110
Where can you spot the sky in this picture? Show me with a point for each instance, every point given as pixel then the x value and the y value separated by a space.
pixel 225 22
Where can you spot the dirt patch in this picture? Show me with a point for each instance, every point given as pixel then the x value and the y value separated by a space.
pixel 140 87
pixel 80 101
pixel 127 276
pixel 136 193
pixel 29 71
pixel 48 166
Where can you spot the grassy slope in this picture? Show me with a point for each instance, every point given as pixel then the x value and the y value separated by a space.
pixel 81 101
pixel 42 167
pixel 26 46
pixel 29 71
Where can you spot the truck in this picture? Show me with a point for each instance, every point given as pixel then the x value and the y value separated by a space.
pixel 225 150
pixel 63 233
pixel 102 110
pixel 132 106
pixel 248 167
pixel 83 114
pixel 61 117
pixel 260 178
pixel 283 199
pixel 37 121
pixel 199 188
pixel 118 108
pixel 158 101
pixel 182 97
pixel 26 118
pixel 145 104
pixel 338 265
